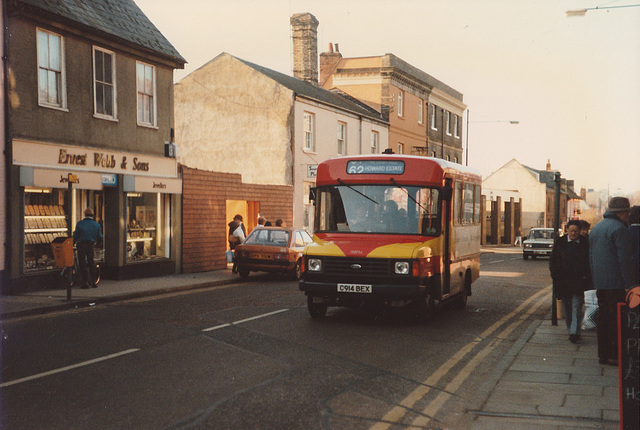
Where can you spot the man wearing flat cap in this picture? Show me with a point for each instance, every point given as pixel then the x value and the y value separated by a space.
pixel 611 269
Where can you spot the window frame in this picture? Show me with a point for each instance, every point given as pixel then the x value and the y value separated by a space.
pixel 447 122
pixel 434 124
pixel 114 98
pixel 61 84
pixel 309 134
pixel 400 148
pixel 456 126
pixel 420 112
pixel 154 120
pixel 400 103
pixel 342 138
pixel 375 142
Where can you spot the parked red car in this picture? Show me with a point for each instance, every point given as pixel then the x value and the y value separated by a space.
pixel 272 249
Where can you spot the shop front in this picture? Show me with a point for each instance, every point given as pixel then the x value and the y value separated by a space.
pixel 136 199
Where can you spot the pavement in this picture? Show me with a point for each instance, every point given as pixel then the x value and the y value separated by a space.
pixel 543 382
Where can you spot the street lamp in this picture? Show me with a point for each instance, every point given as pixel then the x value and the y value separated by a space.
pixel 583 12
pixel 466 146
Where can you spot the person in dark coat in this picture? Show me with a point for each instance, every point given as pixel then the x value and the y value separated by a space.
pixel 85 236
pixel 610 252
pixel 571 274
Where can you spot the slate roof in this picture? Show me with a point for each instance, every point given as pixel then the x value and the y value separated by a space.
pixel 122 19
pixel 547 177
pixel 308 90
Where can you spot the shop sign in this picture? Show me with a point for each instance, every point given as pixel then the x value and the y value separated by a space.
pixel 49 178
pixel 312 170
pixel 76 158
pixel 109 179
pixel 140 184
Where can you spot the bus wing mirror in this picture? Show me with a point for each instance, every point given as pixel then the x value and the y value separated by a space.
pixel 312 194
pixel 447 192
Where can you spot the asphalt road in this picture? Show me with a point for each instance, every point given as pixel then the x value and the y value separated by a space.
pixel 249 356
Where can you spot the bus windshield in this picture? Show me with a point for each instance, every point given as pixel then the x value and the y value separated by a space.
pixel 378 208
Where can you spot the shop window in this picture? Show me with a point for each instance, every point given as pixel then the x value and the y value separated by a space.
pixel 148 232
pixel 44 220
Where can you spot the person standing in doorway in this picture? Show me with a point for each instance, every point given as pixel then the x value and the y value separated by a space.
pixel 569 266
pixel 85 236
pixel 237 235
pixel 611 271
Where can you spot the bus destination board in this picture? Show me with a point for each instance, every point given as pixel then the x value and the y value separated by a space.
pixel 375 167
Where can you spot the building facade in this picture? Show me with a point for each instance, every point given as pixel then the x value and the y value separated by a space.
pixel 236 117
pixel 424 114
pixel 90 111
pixel 536 188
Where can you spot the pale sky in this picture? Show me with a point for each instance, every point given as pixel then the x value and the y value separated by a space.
pixel 572 83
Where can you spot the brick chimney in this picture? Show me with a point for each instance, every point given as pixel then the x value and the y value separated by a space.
pixel 304 29
pixel 328 62
pixel 548 165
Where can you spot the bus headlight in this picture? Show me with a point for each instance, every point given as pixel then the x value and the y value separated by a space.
pixel 402 268
pixel 314 265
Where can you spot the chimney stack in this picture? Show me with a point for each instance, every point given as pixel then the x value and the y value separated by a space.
pixel 548 165
pixel 328 62
pixel 304 29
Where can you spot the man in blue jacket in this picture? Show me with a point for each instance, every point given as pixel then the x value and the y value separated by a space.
pixel 611 270
pixel 85 236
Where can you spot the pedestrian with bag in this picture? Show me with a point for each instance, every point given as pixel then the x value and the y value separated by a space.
pixel 611 270
pixel 237 235
pixel 87 234
pixel 571 274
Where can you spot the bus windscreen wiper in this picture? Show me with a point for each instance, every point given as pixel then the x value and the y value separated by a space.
pixel 393 181
pixel 341 182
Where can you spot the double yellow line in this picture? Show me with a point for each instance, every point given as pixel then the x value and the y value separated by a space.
pixel 397 412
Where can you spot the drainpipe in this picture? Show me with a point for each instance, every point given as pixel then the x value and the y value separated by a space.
pixel 8 151
pixel 360 132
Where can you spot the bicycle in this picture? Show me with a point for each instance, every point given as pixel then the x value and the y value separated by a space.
pixel 71 276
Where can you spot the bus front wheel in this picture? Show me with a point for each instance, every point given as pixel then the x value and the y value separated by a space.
pixel 316 310
pixel 423 308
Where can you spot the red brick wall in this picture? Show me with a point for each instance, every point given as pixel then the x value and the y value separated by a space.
pixel 204 223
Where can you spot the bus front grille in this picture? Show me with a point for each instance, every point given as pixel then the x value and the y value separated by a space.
pixel 357 266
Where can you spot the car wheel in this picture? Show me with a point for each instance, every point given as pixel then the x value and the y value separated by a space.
pixel 525 256
pixel 316 310
pixel 533 257
pixel 243 272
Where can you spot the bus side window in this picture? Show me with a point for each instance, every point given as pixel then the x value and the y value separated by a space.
pixel 457 202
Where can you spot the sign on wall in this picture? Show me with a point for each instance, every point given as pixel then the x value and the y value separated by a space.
pixel 36 154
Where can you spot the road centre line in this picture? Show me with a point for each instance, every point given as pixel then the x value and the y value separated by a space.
pixel 244 320
pixel 64 369
pixel 465 372
pixel 397 412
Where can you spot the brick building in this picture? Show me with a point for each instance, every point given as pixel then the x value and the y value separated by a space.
pixel 90 96
pixel 424 114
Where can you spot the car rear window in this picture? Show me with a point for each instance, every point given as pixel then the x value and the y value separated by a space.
pixel 268 237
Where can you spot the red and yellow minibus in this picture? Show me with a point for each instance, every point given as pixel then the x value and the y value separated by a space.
pixel 398 230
